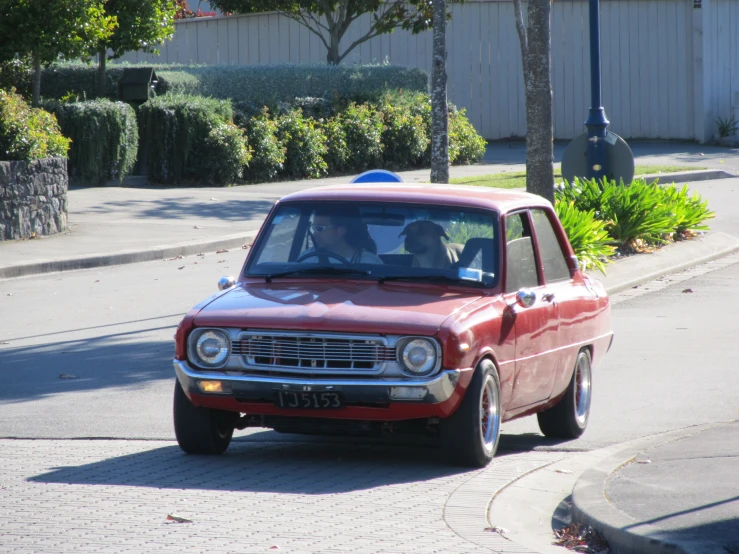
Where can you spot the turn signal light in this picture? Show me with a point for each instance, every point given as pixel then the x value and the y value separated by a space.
pixel 210 386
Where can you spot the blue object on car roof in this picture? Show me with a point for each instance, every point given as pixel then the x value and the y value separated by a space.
pixel 378 176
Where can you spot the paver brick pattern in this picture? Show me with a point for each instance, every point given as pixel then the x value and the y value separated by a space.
pixel 114 496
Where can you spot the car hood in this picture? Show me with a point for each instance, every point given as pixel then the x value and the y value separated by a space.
pixel 339 307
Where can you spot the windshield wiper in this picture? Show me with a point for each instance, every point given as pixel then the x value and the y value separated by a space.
pixel 438 278
pixel 318 270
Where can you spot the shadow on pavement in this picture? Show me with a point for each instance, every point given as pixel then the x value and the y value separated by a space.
pixel 284 464
pixel 186 208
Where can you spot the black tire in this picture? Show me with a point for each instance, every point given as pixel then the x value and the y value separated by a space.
pixel 466 440
pixel 201 430
pixel 569 417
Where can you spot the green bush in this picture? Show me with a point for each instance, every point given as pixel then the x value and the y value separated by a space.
pixel 688 212
pixel 104 138
pixel 305 145
pixel 226 153
pixel 28 133
pixel 268 154
pixel 587 235
pixel 404 136
pixel 362 127
pixel 338 156
pixel 466 146
pixel 586 193
pixel 174 128
pixel 17 73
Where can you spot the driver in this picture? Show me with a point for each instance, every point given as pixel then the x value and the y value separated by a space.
pixel 341 232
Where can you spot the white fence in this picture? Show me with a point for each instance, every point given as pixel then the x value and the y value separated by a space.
pixel 669 67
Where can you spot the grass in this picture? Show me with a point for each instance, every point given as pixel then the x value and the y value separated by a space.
pixel 517 179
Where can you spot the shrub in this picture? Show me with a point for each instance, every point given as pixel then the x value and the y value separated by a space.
pixel 586 193
pixel 688 212
pixel 362 127
pixel 587 235
pixel 28 133
pixel 174 128
pixel 268 154
pixel 104 138
pixel 226 153
pixel 466 146
pixel 338 156
pixel 305 145
pixel 404 136
pixel 17 73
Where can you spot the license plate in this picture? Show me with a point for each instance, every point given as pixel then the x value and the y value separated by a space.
pixel 314 400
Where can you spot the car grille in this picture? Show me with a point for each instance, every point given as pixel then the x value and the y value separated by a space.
pixel 314 353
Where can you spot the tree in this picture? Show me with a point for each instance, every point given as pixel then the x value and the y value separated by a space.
pixel 439 106
pixel 46 30
pixel 536 54
pixel 142 25
pixel 330 19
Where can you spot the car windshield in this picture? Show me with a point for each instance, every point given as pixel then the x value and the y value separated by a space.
pixel 380 241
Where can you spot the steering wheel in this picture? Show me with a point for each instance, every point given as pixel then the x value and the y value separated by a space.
pixel 322 255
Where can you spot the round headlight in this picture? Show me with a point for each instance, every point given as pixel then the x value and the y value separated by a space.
pixel 212 348
pixel 419 356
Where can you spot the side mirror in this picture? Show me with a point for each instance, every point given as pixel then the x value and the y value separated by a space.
pixel 226 283
pixel 526 298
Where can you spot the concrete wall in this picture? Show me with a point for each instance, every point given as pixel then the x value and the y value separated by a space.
pixel 33 198
pixel 652 61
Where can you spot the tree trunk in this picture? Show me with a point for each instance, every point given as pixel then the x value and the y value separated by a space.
pixel 332 56
pixel 36 79
pixel 536 50
pixel 100 85
pixel 439 106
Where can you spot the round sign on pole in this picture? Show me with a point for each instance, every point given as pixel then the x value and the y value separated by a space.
pixel 619 164
pixel 378 176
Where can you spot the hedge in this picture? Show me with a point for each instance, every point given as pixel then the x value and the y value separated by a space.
pixel 104 138
pixel 26 133
pixel 262 85
pixel 176 134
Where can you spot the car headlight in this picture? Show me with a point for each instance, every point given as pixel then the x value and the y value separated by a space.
pixel 212 347
pixel 418 356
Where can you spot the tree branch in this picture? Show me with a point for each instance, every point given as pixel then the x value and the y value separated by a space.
pixel 300 18
pixel 523 39
pixel 370 35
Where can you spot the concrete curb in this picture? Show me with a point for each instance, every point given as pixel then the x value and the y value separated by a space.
pixel 688 176
pixel 124 256
pixel 642 268
pixel 590 505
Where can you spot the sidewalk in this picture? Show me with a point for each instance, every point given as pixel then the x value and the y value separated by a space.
pixel 116 225
pixel 678 493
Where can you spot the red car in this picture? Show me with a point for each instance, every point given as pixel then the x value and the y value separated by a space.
pixel 394 308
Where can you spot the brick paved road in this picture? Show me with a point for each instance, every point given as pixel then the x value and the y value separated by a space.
pixel 114 496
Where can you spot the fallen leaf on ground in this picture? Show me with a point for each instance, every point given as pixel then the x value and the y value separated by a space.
pixel 175 258
pixel 201 254
pixel 66 376
pixel 502 532
pixel 688 290
pixel 221 251
pixel 577 538
pixel 178 519
pixel 197 227
pixel 644 461
pixel 183 267
pixel 216 199
pixel 245 246
pixel 4 342
pixel 97 280
pixel 565 471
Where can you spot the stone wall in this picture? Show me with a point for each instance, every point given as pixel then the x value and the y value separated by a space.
pixel 33 198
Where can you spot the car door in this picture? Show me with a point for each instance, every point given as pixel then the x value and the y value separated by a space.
pixel 534 313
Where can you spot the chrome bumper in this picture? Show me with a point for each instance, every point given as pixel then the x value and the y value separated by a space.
pixel 372 391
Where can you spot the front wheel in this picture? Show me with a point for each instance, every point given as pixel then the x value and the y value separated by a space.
pixel 201 430
pixel 569 417
pixel 470 435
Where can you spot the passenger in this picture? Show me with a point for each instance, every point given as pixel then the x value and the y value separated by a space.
pixel 342 232
pixel 423 239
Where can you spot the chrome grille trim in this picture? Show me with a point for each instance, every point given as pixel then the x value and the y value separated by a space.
pixel 322 353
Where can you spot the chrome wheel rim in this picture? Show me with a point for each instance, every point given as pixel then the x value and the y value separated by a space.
pixel 489 414
pixel 583 390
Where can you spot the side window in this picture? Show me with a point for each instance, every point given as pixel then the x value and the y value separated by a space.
pixel 555 264
pixel 521 264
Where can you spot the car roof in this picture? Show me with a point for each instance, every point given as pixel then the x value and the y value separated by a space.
pixel 501 200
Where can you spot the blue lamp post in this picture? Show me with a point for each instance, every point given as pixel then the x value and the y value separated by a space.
pixel 596 122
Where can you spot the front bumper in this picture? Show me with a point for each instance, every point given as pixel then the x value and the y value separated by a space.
pixel 376 392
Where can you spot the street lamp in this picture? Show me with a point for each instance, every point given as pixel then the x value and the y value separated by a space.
pixel 598 153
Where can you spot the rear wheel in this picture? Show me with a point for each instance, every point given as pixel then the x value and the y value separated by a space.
pixel 569 417
pixel 201 430
pixel 470 435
